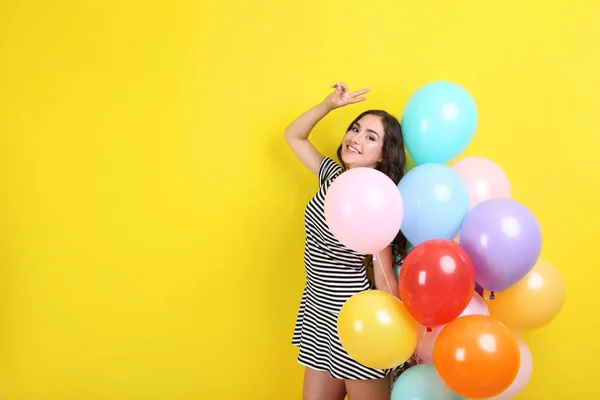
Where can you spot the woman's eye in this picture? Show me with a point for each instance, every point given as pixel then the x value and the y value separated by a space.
pixel 371 138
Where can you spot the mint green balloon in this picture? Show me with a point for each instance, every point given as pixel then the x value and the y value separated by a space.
pixel 421 382
pixel 439 121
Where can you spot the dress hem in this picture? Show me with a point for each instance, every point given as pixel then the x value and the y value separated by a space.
pixel 306 365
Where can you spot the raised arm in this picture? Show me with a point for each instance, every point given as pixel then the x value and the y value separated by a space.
pixel 297 133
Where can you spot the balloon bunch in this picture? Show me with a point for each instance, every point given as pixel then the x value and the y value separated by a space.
pixel 468 230
pixel 465 230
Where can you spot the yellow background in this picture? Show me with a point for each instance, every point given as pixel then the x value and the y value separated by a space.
pixel 151 230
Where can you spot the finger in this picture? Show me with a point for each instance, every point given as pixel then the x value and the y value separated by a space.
pixel 344 87
pixel 359 92
pixel 356 99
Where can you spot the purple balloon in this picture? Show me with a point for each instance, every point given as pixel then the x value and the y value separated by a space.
pixel 478 289
pixel 503 240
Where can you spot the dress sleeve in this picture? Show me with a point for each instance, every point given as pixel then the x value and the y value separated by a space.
pixel 328 170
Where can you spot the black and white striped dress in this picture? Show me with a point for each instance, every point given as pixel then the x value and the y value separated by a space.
pixel 334 273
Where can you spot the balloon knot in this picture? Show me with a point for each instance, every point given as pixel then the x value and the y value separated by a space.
pixel 492 297
pixel 429 329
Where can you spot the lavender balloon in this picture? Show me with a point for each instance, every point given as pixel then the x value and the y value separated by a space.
pixel 503 240
pixel 478 289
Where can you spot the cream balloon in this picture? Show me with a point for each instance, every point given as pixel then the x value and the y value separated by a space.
pixel 533 302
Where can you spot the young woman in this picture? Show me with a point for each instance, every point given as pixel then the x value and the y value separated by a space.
pixel 335 273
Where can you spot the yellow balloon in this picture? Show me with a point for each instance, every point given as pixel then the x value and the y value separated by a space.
pixel 532 302
pixel 376 329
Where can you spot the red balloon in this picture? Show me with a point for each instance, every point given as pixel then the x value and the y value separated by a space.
pixel 437 282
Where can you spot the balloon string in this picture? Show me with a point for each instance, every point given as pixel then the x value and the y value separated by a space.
pixel 375 258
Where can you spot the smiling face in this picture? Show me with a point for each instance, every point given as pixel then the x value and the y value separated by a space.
pixel 362 144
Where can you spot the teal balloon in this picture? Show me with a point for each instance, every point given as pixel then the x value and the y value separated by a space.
pixel 421 382
pixel 439 121
pixel 436 201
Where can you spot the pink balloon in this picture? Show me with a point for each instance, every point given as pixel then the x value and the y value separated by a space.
pixel 523 376
pixel 364 210
pixel 477 306
pixel 484 178
pixel 426 340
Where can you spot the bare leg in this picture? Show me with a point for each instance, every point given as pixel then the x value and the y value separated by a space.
pixel 319 385
pixel 373 389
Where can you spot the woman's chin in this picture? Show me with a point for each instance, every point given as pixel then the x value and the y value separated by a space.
pixel 350 159
pixel 357 162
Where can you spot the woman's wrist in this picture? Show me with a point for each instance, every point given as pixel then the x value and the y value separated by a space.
pixel 326 107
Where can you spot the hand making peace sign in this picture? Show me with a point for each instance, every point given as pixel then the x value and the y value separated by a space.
pixel 342 96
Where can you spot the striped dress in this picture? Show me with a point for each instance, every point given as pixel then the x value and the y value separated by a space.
pixel 334 273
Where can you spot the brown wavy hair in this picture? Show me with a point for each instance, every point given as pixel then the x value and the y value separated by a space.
pixel 393 159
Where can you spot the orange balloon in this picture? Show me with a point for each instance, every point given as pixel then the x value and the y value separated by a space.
pixel 532 302
pixel 476 356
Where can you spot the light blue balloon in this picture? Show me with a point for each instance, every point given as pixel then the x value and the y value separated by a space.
pixel 421 382
pixel 436 201
pixel 438 122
